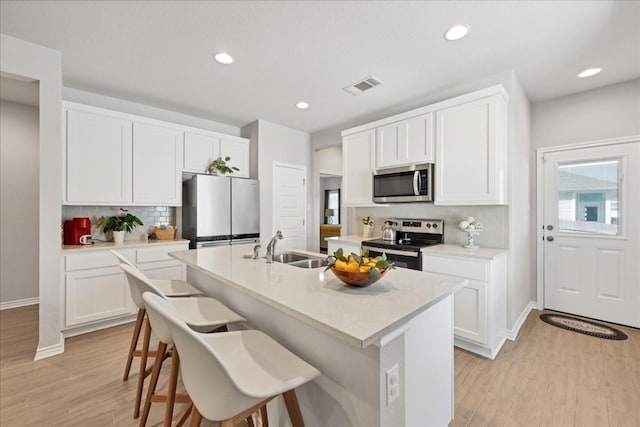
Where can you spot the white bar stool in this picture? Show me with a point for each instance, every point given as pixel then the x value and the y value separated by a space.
pixel 231 375
pixel 202 313
pixel 168 287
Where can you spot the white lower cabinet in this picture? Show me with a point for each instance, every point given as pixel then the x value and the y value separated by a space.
pixel 97 291
pixel 97 294
pixel 480 307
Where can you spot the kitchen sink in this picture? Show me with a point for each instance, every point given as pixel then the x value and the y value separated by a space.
pixel 310 263
pixel 289 257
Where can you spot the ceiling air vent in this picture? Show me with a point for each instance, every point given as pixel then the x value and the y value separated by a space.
pixel 365 84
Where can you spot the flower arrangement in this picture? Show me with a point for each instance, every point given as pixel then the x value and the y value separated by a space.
pixel 367 226
pixel 124 222
pixel 367 221
pixel 219 166
pixel 470 224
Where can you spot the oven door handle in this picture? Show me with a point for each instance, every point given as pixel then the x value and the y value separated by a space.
pixel 416 183
pixel 392 251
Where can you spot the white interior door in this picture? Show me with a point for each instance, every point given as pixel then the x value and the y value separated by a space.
pixel 289 205
pixel 592 232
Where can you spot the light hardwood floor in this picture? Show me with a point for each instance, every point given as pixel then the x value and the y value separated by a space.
pixel 547 377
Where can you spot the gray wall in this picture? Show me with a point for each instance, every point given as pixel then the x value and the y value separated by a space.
pixel 276 143
pixel 608 112
pixel 19 130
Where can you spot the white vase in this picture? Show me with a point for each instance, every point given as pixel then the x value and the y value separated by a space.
pixel 118 236
pixel 367 230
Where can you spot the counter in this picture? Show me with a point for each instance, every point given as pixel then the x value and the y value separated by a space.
pixel 357 337
pixel 319 299
pixel 125 245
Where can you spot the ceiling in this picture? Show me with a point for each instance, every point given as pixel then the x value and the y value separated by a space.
pixel 160 53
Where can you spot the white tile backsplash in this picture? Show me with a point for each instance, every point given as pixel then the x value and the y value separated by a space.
pixel 494 218
pixel 151 216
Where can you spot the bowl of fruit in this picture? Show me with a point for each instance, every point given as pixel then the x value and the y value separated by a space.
pixel 358 270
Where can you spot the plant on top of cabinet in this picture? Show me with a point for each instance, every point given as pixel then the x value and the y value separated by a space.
pixel 219 166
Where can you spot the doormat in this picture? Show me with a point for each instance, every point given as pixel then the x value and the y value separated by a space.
pixel 587 327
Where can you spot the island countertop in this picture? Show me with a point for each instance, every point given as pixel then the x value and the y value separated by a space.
pixel 361 316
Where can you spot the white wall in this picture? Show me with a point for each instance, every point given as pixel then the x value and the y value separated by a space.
pixel 18 202
pixel 276 143
pixel 20 58
pixel 521 283
pixel 97 100
pixel 608 112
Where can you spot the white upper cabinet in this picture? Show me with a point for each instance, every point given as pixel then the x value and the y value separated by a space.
pixel 357 178
pixel 199 151
pixel 238 151
pixel 157 165
pixel 98 159
pixel 202 148
pixel 471 153
pixel 405 142
pixel 113 158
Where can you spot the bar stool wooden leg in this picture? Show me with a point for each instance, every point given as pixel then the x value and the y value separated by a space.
pixel 173 384
pixel 161 353
pixel 196 417
pixel 134 342
pixel 291 401
pixel 264 417
pixel 143 367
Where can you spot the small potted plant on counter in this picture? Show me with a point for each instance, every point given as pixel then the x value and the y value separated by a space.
pixel 118 225
pixel 367 226
pixel 219 167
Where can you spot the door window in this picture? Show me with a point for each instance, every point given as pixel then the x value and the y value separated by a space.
pixel 589 196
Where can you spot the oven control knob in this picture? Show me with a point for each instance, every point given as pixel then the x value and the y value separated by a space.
pixel 428 225
pixel 435 225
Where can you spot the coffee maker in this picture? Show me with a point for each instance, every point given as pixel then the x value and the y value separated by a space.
pixel 77 231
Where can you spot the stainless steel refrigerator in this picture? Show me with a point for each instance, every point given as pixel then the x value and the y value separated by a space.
pixel 220 210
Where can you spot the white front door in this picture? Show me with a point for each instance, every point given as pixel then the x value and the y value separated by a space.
pixel 289 205
pixel 592 232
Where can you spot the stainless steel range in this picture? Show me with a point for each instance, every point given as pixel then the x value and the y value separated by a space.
pixel 412 236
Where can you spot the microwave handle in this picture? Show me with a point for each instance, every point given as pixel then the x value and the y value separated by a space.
pixel 416 183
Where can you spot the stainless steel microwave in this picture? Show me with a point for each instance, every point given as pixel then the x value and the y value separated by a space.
pixel 404 184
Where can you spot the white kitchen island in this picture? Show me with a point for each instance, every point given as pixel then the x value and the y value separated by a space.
pixel 385 351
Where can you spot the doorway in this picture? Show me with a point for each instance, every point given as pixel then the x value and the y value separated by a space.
pixel 589 241
pixel 19 148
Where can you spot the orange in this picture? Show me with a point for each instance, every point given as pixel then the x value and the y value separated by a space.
pixel 364 269
pixel 353 266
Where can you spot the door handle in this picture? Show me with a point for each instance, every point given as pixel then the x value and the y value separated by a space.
pixel 416 183
pixel 550 238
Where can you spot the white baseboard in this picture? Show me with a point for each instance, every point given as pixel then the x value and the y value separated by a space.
pixel 96 326
pixel 18 303
pixel 512 334
pixel 52 350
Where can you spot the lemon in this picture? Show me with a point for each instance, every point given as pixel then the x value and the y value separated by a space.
pixel 340 265
pixel 353 266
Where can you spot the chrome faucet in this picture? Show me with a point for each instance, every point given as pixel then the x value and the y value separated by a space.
pixel 271 247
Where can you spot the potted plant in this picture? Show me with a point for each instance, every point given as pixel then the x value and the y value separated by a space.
pixel 219 166
pixel 118 225
pixel 367 226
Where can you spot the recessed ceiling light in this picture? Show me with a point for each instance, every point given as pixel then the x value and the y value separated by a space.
pixel 457 32
pixel 590 72
pixel 224 58
pixel 302 105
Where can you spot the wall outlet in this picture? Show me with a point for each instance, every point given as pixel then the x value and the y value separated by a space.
pixel 393 383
